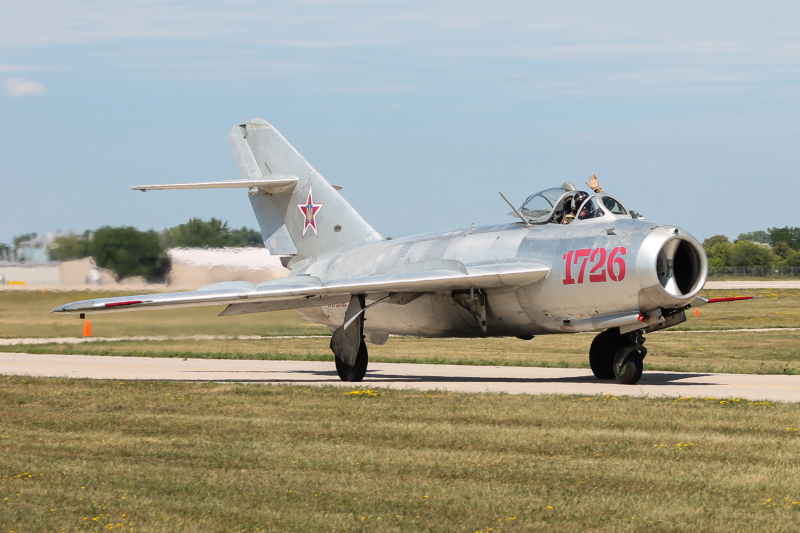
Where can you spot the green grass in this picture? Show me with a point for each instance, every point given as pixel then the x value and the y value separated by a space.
pixel 82 455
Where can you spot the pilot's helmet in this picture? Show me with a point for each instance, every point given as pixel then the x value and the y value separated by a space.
pixel 578 199
pixel 568 186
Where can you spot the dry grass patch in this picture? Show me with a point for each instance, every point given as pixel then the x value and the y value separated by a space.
pixel 88 456
pixel 773 308
pixel 27 314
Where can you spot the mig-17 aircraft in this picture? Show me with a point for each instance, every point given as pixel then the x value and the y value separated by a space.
pixel 605 271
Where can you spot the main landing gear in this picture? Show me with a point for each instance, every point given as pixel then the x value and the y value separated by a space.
pixel 618 355
pixel 347 343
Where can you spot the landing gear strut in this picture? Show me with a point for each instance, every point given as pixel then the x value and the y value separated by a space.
pixel 629 361
pixel 617 355
pixel 347 343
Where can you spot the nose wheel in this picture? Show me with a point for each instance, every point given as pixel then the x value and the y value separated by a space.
pixel 615 355
pixel 629 363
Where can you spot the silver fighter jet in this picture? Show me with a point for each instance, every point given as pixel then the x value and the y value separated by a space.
pixel 604 272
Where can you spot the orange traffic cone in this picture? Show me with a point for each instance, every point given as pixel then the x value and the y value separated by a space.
pixel 696 312
pixel 87 329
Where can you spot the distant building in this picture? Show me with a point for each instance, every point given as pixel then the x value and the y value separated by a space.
pixel 191 268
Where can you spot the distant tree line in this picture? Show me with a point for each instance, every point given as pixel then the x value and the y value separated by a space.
pixel 773 247
pixel 129 252
pixel 213 233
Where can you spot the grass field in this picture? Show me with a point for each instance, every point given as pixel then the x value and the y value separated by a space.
pixel 135 456
pixel 80 455
pixel 773 308
pixel 26 314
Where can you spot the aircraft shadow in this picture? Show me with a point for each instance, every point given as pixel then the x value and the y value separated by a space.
pixel 323 376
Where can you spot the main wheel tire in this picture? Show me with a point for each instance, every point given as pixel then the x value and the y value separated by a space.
pixel 357 371
pixel 602 352
pixel 631 372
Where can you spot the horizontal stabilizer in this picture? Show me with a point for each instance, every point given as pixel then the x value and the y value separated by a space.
pixel 488 276
pixel 276 182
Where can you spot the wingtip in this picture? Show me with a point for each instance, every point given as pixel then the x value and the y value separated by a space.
pixel 74 307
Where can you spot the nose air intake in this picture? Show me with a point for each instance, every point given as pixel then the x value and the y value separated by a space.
pixel 673 267
pixel 679 267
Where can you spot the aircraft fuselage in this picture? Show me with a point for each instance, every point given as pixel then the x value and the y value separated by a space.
pixel 601 270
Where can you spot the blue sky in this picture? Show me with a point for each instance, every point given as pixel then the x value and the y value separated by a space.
pixel 422 111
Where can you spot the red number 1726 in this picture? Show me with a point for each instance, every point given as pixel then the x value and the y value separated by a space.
pixel 600 260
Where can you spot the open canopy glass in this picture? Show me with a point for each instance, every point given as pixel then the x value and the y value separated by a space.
pixel 548 206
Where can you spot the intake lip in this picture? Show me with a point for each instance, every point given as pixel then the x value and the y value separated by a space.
pixel 679 268
pixel 674 268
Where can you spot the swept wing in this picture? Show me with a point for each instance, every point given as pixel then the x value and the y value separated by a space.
pixel 296 291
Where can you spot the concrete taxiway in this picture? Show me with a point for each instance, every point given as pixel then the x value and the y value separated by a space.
pixel 513 380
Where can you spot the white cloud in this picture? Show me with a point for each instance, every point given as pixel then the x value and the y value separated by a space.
pixel 20 86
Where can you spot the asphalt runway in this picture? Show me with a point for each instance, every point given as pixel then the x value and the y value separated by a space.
pixel 512 380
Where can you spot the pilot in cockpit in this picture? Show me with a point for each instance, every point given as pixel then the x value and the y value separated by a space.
pixel 587 211
pixel 571 205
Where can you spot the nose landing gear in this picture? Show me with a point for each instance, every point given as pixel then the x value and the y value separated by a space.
pixel 629 361
pixel 616 355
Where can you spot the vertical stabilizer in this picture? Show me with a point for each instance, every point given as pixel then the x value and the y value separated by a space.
pixel 305 219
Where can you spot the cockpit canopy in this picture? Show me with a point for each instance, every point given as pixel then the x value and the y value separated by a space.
pixel 548 206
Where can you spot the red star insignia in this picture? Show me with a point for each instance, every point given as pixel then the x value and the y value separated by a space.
pixel 310 210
